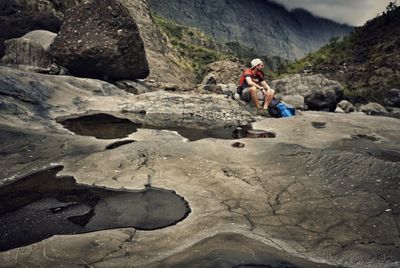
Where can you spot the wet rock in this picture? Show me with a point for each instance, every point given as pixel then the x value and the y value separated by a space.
pixel 101 40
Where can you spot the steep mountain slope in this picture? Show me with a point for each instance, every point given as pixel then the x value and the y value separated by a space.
pixel 260 24
pixel 367 62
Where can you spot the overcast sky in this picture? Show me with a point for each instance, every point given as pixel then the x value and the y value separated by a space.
pixel 353 12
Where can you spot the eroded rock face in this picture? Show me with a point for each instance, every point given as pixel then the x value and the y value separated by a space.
pixel 101 40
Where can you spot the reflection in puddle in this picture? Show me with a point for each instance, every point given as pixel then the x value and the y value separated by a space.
pixel 101 126
pixel 104 126
pixel 41 205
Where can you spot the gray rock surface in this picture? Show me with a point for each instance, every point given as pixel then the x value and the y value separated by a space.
pixel 270 29
pixel 309 197
pixel 101 40
pixel 297 101
pixel 373 108
pixel 30 50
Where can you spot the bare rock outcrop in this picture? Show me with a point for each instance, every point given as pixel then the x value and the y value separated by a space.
pixel 101 40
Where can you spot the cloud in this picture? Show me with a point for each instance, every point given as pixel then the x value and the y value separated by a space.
pixel 353 12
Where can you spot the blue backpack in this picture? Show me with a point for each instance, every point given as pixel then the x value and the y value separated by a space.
pixel 280 109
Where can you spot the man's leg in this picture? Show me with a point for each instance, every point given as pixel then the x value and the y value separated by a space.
pixel 268 98
pixel 254 96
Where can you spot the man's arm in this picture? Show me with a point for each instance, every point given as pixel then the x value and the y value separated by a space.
pixel 252 83
pixel 265 85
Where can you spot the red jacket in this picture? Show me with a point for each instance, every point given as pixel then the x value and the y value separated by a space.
pixel 257 77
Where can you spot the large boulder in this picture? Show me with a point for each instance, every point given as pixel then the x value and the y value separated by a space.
pixel 319 92
pixel 101 40
pixel 30 50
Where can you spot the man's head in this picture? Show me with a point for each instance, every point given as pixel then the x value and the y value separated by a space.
pixel 255 63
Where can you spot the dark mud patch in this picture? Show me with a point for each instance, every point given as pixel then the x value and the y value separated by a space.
pixel 238 145
pixel 363 136
pixel 318 125
pixel 233 250
pixel 41 205
pixel 104 126
pixel 119 144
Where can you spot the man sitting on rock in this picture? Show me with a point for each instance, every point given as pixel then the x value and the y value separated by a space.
pixel 254 87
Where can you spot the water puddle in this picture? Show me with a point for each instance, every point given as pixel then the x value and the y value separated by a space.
pixel 101 126
pixel 104 126
pixel 41 205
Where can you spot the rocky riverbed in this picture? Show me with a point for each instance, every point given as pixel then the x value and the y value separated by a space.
pixel 324 192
